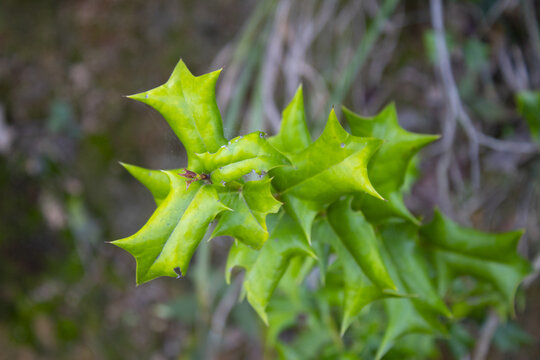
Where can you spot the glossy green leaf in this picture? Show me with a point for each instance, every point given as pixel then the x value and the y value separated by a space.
pixel 188 103
pixel 293 135
pixel 242 155
pixel 334 165
pixel 250 205
pixel 155 180
pixel 464 251
pixel 286 241
pixel 361 253
pixel 165 244
pixel 358 237
pixel 388 167
pixel 528 105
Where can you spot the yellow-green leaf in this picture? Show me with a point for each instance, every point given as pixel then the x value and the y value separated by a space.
pixel 358 237
pixel 286 241
pixel 155 180
pixel 388 167
pixel 165 244
pixel 242 155
pixel 250 205
pixel 188 103
pixel 293 135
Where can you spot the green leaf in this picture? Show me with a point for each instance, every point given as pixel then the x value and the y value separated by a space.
pixel 528 105
pixel 302 211
pixel 286 241
pixel 242 155
pixel 403 319
pixel 155 180
pixel 188 103
pixel 239 255
pixel 358 237
pixel 489 257
pixel 358 289
pixel 401 240
pixel 406 315
pixel 298 270
pixel 165 244
pixel 334 165
pixel 247 220
pixel 293 135
pixel 363 251
pixel 388 168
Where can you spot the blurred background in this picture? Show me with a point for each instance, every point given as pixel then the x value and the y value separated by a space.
pixel 467 70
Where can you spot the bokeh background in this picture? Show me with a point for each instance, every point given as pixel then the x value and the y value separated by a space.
pixel 456 68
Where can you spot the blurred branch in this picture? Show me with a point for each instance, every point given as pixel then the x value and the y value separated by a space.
pixel 506 146
pixel 487 332
pixel 457 111
pixel 516 77
pixel 532 25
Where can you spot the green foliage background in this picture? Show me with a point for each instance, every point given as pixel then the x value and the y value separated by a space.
pixel 63 69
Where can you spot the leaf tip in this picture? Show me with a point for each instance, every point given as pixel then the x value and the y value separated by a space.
pixel 142 97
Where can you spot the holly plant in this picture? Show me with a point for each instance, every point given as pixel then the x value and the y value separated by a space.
pixel 320 227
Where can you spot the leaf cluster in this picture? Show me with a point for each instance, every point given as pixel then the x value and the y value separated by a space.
pixel 323 231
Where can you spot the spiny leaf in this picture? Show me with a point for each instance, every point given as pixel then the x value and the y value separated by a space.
pixel 172 234
pixel 401 241
pixel 239 255
pixel 358 237
pixel 299 268
pixel 302 211
pixel 155 180
pixel 293 135
pixel 241 156
pixel 286 241
pixel 334 165
pixel 405 319
pixel 363 255
pixel 406 315
pixel 250 205
pixel 188 103
pixel 358 288
pixel 489 257
pixel 389 165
